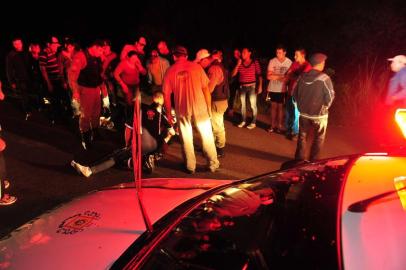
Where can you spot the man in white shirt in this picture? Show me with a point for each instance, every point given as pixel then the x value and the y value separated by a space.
pixel 277 68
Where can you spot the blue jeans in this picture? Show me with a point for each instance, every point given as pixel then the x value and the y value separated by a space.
pixel 250 90
pixel 292 116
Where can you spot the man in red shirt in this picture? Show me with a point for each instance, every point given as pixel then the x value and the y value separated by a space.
pixel 86 82
pixel 292 114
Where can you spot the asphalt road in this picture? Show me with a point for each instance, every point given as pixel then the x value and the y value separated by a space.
pixel 38 159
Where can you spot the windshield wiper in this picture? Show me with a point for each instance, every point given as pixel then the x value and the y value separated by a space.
pixel 361 206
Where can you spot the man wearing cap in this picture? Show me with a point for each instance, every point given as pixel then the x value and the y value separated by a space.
pixel 189 84
pixel 86 82
pixel 397 85
pixel 220 92
pixel 314 95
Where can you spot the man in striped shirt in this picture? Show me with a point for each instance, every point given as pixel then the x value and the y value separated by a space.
pixel 52 73
pixel 250 80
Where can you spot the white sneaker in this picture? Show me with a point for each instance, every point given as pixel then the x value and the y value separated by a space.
pixel 242 124
pixel 83 170
pixel 252 126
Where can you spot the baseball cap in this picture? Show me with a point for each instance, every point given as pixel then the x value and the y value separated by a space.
pixel 317 58
pixel 201 54
pixel 401 59
pixel 179 50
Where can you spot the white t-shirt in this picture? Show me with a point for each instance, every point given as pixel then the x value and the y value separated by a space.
pixel 277 68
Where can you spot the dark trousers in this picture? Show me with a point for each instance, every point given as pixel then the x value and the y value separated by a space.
pixel 60 101
pixel 307 126
pixel 233 90
pixel 23 91
pixel 148 146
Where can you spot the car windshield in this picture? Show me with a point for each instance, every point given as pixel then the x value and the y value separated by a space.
pixel 281 220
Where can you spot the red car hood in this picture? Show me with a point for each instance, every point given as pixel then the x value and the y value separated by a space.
pixel 92 231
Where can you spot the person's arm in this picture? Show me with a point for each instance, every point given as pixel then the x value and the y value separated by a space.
pixel 124 51
pixel 1 92
pixel 117 77
pixel 328 93
pixel 78 63
pixel 139 66
pixel 216 76
pixel 235 70
pixel 258 74
pixel 167 90
pixel 207 98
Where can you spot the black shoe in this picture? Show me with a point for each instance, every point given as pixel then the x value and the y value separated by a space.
pixel 220 152
pixel 188 170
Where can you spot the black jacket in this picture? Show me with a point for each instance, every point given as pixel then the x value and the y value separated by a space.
pixel 314 94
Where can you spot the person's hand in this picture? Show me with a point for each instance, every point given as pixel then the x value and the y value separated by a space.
pixel 125 88
pixel 259 90
pixel 239 61
pixel 171 131
pixel 2 145
pixel 106 102
pixel 170 119
pixel 76 107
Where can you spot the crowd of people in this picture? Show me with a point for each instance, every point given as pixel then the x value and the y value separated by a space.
pixel 71 84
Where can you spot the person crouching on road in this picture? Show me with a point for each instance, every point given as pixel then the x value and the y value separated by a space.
pixel 314 95
pixel 86 82
pixel 156 133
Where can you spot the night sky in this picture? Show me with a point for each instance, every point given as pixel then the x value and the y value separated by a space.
pixel 348 31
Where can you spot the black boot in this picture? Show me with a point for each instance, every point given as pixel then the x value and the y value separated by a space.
pixel 220 152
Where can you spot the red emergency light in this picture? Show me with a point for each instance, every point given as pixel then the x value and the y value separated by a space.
pixel 400 117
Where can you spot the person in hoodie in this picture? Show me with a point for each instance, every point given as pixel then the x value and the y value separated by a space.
pixel 314 95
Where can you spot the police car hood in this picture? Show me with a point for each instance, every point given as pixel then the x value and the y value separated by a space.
pixel 92 231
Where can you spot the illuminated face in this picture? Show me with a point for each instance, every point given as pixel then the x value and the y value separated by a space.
pixel 280 54
pixel 106 50
pixel 246 54
pixel 35 48
pixel 97 51
pixel 237 54
pixel 18 45
pixel 299 57
pixel 159 99
pixel 396 66
pixel 70 48
pixel 140 44
pixel 205 62
pixel 163 48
